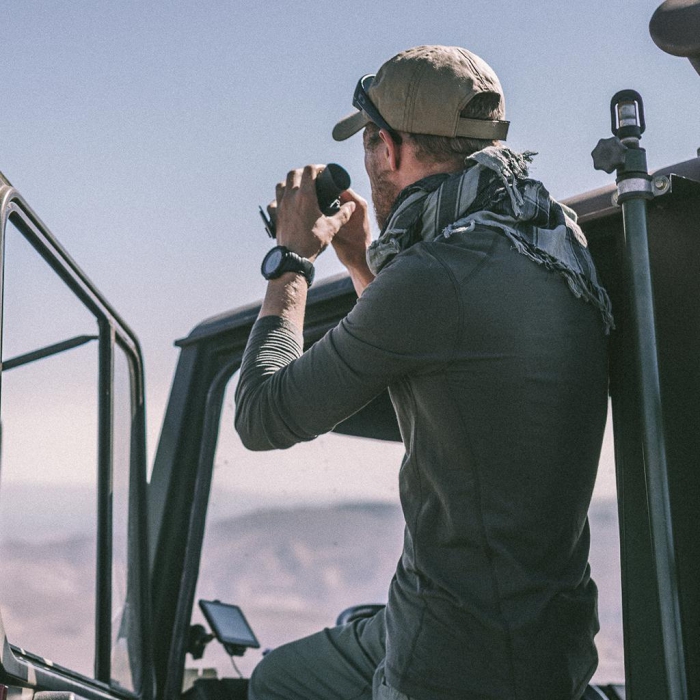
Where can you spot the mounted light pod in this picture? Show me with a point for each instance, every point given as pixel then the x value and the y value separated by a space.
pixel 627 115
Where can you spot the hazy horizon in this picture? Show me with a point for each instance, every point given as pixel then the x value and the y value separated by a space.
pixel 291 568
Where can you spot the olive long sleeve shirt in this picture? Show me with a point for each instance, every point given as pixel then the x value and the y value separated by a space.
pixel 498 376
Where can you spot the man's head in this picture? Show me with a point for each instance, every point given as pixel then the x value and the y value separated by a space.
pixel 426 111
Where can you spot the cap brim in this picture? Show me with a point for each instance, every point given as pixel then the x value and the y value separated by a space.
pixel 350 125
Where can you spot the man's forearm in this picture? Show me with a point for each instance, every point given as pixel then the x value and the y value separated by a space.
pixel 286 297
pixel 361 276
pixel 353 254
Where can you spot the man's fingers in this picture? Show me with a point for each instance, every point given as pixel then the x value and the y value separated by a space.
pixel 294 179
pixel 309 175
pixel 299 178
pixel 279 191
pixel 343 215
pixel 272 210
pixel 350 195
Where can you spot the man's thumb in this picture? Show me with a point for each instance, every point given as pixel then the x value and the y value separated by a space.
pixel 344 213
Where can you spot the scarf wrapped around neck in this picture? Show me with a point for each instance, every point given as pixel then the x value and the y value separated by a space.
pixel 495 191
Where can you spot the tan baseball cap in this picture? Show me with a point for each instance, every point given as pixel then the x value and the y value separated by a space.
pixel 423 91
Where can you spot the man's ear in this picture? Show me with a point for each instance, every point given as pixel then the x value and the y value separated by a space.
pixel 392 149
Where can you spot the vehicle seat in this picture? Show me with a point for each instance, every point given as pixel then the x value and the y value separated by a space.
pixel 357 612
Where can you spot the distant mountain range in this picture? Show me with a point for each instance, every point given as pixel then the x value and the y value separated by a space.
pixel 291 570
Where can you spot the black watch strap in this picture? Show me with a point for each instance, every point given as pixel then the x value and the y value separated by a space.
pixel 280 260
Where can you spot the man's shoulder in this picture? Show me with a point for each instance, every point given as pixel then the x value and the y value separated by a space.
pixel 414 274
pixel 412 294
pixel 443 259
pixel 419 258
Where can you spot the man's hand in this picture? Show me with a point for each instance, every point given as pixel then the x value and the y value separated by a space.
pixel 353 239
pixel 303 229
pixel 300 225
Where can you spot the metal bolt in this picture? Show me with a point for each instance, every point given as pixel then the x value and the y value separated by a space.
pixel 661 183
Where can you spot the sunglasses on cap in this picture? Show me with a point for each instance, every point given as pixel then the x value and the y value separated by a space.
pixel 361 101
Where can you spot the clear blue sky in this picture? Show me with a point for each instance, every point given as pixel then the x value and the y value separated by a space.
pixel 146 134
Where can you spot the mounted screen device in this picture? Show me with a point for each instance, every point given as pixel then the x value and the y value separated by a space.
pixel 229 626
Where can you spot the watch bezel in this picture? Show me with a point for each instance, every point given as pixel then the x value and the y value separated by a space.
pixel 289 262
pixel 269 272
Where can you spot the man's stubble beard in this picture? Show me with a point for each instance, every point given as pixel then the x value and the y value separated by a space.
pixel 384 193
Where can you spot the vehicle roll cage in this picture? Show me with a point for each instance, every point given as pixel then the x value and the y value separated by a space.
pixel 112 331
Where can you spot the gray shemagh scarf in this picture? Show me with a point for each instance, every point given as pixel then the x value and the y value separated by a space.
pixel 495 191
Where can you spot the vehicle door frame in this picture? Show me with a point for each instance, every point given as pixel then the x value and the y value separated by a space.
pixel 21 667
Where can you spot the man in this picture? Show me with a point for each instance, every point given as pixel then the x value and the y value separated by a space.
pixel 480 310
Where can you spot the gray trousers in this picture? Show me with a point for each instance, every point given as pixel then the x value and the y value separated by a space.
pixel 340 663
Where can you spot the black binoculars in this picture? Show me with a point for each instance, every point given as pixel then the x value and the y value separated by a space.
pixel 330 184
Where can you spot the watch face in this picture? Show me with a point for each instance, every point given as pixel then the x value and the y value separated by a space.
pixel 272 261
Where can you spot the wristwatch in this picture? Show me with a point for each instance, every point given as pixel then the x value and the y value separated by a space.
pixel 280 260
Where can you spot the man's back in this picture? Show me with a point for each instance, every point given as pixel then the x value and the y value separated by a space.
pixel 498 375
pixel 503 435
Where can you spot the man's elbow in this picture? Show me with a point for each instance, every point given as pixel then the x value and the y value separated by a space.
pixel 247 422
pixel 256 435
pixel 259 428
pixel 252 436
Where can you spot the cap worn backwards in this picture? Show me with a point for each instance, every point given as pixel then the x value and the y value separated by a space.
pixel 425 89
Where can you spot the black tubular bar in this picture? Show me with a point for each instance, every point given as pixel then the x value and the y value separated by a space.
pixel 103 600
pixel 47 351
pixel 112 328
pixel 638 274
pixel 37 234
pixel 171 689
